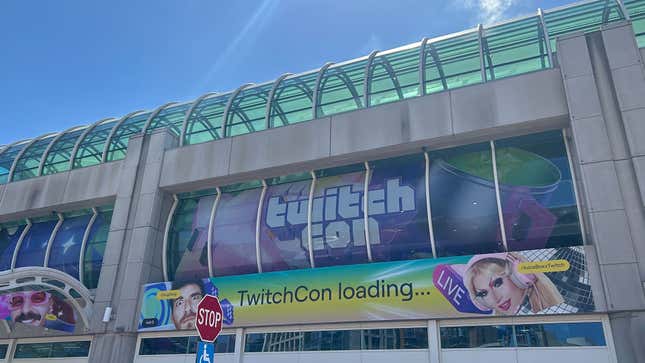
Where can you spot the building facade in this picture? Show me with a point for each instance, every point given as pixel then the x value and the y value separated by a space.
pixel 475 196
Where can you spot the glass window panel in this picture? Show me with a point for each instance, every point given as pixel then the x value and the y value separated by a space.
pixel 165 345
pixel 283 228
pixel 95 249
pixel 560 335
pixel 292 100
pixel 234 233
pixel 514 48
pixel 398 218
pixel 7 158
pixel 34 245
pixel 394 76
pixel 223 344
pixel 636 10
pixel 57 160
pixel 338 232
pixel 248 110
pixel 338 340
pixel 403 338
pixel 53 350
pixel 341 88
pixel 70 349
pixel 29 162
pixel 452 63
pixel 9 236
pixel 188 237
pixel 536 190
pixel 3 350
pixel 464 207
pixel 171 117
pixel 66 248
pixel 495 336
pixel 90 151
pixel 205 122
pixel 119 142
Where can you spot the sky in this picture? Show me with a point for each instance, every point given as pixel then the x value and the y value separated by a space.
pixel 73 62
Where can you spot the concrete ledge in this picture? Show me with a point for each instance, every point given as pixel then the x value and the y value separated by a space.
pixel 523 104
pixel 78 188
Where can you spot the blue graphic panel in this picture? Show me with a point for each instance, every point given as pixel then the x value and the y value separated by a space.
pixel 9 237
pixel 66 247
pixel 34 245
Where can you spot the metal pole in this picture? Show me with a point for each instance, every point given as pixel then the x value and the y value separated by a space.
pixel 545 32
pixel 497 195
pixel 52 237
pixel 19 244
pixel 164 252
pixel 367 76
pixel 211 221
pixel 310 208
pixel 482 67
pixel 368 174
pixel 86 236
pixel 258 255
pixel 428 209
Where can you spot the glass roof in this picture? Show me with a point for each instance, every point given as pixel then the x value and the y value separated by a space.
pixel 28 162
pixel 7 158
pixel 473 56
pixel 172 116
pixel 60 151
pixel 119 140
pixel 206 119
pixel 90 150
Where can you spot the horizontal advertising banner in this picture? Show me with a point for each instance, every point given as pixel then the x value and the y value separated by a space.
pixel 547 281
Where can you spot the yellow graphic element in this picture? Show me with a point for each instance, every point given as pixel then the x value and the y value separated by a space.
pixel 50 317
pixel 168 295
pixel 543 266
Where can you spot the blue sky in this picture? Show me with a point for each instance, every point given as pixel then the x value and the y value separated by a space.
pixel 73 62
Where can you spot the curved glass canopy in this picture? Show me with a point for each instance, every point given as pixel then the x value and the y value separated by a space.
pixel 57 158
pixel 473 56
pixel 91 147
pixel 7 158
pixel 28 161
pixel 118 142
pixel 206 119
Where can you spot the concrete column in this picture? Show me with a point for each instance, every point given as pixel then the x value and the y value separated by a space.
pixel 133 252
pixel 612 195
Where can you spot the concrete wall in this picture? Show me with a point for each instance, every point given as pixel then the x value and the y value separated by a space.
pixel 531 102
pixel 78 188
pixel 604 80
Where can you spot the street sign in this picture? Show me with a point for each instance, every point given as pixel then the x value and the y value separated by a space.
pixel 209 318
pixel 205 353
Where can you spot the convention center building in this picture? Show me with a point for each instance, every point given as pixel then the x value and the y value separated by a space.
pixel 476 197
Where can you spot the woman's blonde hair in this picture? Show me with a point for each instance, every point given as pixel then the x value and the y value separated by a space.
pixel 542 293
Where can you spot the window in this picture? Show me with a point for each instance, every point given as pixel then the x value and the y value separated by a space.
pixel 53 350
pixel 495 336
pixel 524 335
pixel 560 335
pixel 183 345
pixel 338 340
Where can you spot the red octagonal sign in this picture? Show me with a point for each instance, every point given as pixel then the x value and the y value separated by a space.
pixel 209 318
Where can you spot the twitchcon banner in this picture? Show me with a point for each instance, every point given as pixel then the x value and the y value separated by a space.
pixel 547 281
pixel 39 309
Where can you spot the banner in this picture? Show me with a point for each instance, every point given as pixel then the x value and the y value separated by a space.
pixel 38 308
pixel 548 281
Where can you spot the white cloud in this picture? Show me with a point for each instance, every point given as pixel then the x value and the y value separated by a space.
pixel 488 11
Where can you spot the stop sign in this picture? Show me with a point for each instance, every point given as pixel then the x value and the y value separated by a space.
pixel 209 318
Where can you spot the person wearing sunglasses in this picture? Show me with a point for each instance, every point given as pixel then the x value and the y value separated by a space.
pixel 30 307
